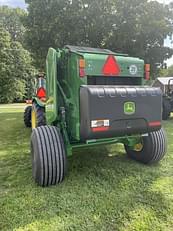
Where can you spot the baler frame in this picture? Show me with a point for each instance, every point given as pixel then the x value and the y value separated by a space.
pixel 130 141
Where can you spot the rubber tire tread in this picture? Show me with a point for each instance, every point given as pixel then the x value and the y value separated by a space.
pixel 41 119
pixel 48 156
pixel 154 148
pixel 40 114
pixel 27 116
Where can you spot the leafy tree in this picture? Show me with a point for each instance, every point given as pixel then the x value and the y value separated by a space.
pixel 60 22
pixel 15 68
pixel 136 27
pixel 167 72
pixel 140 30
pixel 10 20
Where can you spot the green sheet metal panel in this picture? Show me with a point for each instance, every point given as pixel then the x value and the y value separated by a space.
pixel 51 86
pixel 95 59
pixel 71 82
pixel 130 67
pixel 77 49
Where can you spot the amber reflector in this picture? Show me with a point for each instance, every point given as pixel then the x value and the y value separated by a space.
pixel 81 63
pixel 147 67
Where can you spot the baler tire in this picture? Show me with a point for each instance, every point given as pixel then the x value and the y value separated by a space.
pixel 27 116
pixel 154 148
pixel 48 156
pixel 166 109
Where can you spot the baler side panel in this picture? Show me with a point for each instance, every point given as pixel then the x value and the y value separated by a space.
pixel 70 82
pixel 51 86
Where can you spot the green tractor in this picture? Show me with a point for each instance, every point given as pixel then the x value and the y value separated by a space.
pixel 94 97
pixel 34 115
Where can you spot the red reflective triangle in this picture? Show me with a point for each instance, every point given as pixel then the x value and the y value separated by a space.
pixel 41 92
pixel 111 67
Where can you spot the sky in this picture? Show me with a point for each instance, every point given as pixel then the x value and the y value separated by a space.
pixel 21 4
pixel 165 1
pixel 14 3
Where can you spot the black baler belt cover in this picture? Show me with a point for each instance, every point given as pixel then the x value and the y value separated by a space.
pixel 107 107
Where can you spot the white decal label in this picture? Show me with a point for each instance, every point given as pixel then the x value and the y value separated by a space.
pixel 99 123
pixel 133 69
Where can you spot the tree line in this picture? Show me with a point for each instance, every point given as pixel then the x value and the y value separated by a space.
pixel 136 27
pixel 16 63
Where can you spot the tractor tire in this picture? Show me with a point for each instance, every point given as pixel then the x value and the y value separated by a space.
pixel 27 116
pixel 39 113
pixel 166 109
pixel 153 149
pixel 48 156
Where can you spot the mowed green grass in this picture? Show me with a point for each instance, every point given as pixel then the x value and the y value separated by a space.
pixel 104 190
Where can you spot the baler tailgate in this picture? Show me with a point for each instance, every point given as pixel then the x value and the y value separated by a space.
pixel 109 111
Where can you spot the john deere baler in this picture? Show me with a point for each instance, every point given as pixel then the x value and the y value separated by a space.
pixel 94 97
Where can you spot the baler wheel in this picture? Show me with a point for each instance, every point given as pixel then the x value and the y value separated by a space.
pixel 48 156
pixel 37 116
pixel 154 148
pixel 27 116
pixel 166 109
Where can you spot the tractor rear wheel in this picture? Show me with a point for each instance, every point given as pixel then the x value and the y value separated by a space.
pixel 27 116
pixel 48 156
pixel 151 149
pixel 37 116
pixel 166 109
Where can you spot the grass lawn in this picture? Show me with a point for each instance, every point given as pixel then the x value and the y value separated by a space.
pixel 104 190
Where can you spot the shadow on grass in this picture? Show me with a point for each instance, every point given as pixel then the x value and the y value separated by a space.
pixel 103 190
